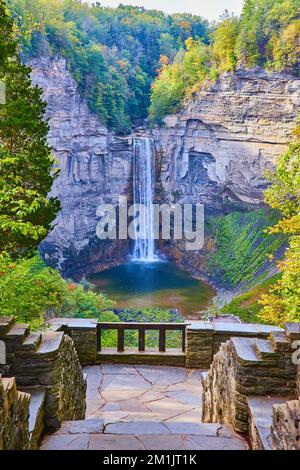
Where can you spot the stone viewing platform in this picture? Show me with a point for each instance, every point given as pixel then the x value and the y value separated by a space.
pixel 228 385
pixel 143 408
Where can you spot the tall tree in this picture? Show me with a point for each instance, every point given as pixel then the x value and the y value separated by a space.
pixel 26 213
pixel 282 302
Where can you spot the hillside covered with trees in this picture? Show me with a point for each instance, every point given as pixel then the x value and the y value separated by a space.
pixel 267 35
pixel 113 54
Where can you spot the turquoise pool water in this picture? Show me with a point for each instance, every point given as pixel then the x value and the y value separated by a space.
pixel 156 284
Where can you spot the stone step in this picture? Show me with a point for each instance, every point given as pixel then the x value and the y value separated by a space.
pixel 155 435
pixel 264 350
pixel 292 330
pixel 36 414
pixel 245 350
pixel 261 409
pixel 14 339
pixel 5 324
pixel 18 331
pixel 50 343
pixel 32 342
pixel 280 341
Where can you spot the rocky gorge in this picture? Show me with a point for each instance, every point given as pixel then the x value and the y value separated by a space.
pixel 214 151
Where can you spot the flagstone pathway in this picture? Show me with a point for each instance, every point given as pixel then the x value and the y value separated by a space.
pixel 143 407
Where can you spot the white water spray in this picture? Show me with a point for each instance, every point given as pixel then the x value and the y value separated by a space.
pixel 143 193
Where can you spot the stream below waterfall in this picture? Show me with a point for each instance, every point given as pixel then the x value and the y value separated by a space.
pixel 156 284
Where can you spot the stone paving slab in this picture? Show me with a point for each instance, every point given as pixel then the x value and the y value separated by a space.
pixel 143 393
pixel 96 435
pixel 87 426
pixel 137 428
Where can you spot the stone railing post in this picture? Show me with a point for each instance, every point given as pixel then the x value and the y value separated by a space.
pixel 199 350
pixel 83 332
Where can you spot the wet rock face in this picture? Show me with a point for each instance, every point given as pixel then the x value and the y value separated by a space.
pixel 219 146
pixel 95 168
pixel 215 152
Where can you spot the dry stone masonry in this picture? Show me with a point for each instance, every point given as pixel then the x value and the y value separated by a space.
pixel 285 428
pixel 14 416
pixel 216 150
pixel 250 384
pixel 95 168
pixel 204 338
pixel 219 145
pixel 44 386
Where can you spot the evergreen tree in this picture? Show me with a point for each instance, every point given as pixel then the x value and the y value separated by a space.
pixel 25 158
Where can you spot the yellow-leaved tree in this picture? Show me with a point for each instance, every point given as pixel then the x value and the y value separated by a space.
pixel 282 302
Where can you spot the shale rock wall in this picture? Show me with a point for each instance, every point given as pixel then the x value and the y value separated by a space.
pixel 95 168
pixel 217 149
pixel 215 152
pixel 285 428
pixel 252 384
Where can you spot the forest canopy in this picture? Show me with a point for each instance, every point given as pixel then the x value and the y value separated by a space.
pixel 129 61
pixel 112 53
pixel 267 35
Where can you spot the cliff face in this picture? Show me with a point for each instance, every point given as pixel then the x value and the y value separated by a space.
pixel 215 152
pixel 95 168
pixel 217 149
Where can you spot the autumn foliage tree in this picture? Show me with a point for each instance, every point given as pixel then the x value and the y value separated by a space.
pixel 282 302
pixel 267 34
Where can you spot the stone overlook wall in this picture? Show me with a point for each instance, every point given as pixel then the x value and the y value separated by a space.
pixel 285 429
pixel 252 384
pixel 44 367
pixel 214 152
pixel 14 416
pixel 204 339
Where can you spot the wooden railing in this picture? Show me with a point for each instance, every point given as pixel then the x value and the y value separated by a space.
pixel 162 328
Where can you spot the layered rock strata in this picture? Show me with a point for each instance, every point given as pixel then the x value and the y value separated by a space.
pixel 214 152
pixel 95 168
pixel 217 150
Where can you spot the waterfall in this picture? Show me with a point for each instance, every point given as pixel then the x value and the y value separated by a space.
pixel 143 193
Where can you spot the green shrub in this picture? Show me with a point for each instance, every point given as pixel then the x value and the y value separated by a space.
pixel 33 292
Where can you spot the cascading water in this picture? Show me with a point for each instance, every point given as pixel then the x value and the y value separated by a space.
pixel 143 193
